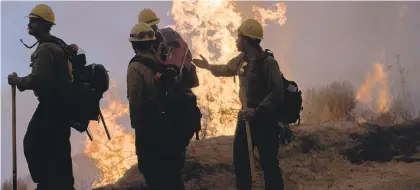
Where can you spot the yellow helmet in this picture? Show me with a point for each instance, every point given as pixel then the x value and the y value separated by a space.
pixel 252 28
pixel 148 16
pixel 141 32
pixel 44 12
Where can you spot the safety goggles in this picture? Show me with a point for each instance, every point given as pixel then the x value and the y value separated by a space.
pixel 142 35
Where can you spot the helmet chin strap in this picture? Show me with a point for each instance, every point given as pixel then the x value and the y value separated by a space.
pixel 29 47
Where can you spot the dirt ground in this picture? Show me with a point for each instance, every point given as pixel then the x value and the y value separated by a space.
pixel 342 156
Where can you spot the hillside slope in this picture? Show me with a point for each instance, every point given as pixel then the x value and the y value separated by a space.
pixel 336 156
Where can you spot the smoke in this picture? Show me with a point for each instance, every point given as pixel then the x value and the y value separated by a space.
pixel 313 52
pixel 402 11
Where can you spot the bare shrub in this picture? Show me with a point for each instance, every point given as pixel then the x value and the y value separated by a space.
pixel 418 116
pixel 8 185
pixel 206 131
pixel 398 112
pixel 401 112
pixel 215 122
pixel 334 102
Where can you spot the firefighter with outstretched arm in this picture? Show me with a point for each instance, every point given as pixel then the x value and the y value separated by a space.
pixel 261 90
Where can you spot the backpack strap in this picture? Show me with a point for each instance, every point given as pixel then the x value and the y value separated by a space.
pixel 267 53
pixel 148 62
pixel 67 52
pixel 168 72
pixel 53 39
pixel 263 56
pixel 59 42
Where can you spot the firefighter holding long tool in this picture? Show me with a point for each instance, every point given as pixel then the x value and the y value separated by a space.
pixel 261 90
pixel 46 143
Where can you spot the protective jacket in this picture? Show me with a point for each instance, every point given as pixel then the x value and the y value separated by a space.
pixel 51 71
pixel 261 80
pixel 141 90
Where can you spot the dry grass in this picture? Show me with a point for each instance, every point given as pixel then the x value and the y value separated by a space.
pixel 337 102
pixel 322 157
pixel 334 102
pixel 8 185
pixel 335 153
pixel 397 113
pixel 409 183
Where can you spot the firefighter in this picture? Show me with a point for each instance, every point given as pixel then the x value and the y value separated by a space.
pixel 188 80
pixel 159 159
pixel 46 143
pixel 149 17
pixel 261 81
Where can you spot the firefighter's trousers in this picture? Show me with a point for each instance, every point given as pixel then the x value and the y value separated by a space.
pixel 47 147
pixel 160 158
pixel 265 136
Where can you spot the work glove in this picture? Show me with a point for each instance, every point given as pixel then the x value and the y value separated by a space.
pixel 13 79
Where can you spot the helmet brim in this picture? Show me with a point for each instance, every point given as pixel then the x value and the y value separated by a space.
pixel 33 16
pixel 249 36
pixel 153 22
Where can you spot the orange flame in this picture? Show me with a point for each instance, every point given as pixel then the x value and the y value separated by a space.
pixel 262 14
pixel 211 25
pixel 375 82
pixel 113 157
